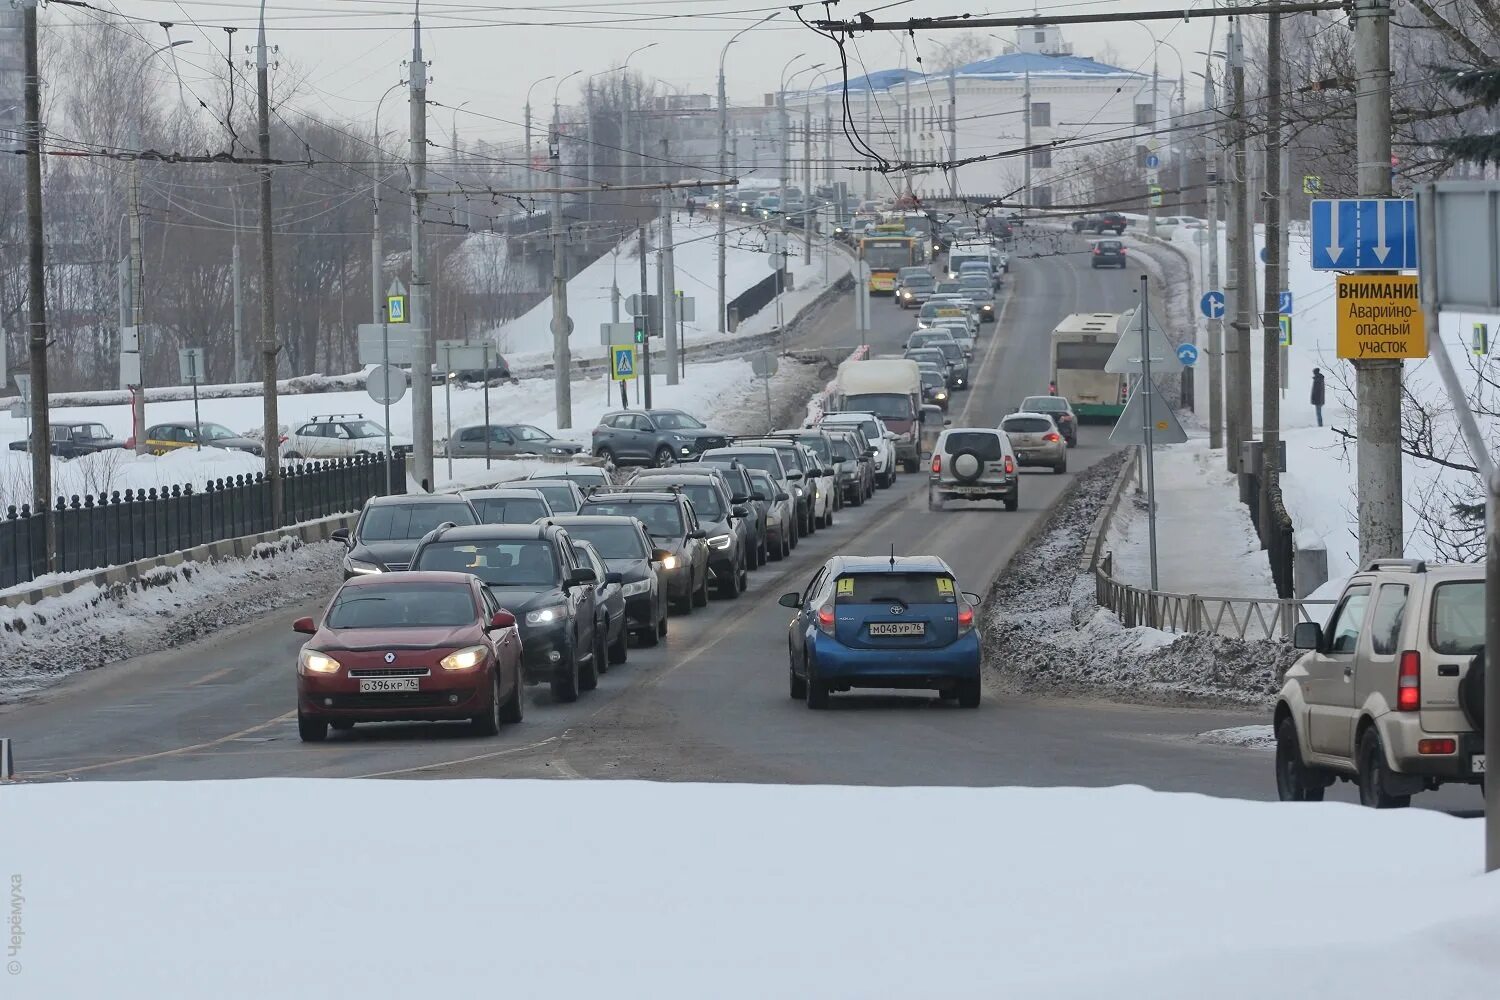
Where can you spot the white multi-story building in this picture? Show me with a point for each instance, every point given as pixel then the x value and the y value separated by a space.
pixel 1082 113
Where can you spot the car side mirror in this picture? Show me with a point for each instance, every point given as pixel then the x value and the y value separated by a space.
pixel 971 598
pixel 741 498
pixel 780 495
pixel 758 495
pixel 830 471
pixel 792 600
pixel 947 423
pixel 304 625
pixel 583 577
pixel 502 619
pixel 793 475
pixel 1307 635
pixel 614 578
pixel 698 533
pixel 740 510
pixel 658 555
pixel 340 535
pixel 869 453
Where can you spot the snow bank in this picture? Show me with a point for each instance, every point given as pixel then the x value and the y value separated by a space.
pixel 121 470
pixel 715 890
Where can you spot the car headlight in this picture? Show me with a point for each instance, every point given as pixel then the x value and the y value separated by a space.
pixel 720 541
pixel 558 451
pixel 463 659
pixel 360 566
pixel 797 491
pixel 637 588
pixel 670 562
pixel 940 395
pixel 547 615
pixel 312 662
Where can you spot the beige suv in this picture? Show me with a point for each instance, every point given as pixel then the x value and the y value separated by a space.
pixel 1385 696
pixel 973 463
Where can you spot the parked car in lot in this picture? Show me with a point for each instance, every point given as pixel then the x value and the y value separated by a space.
pixel 409 646
pixel 341 435
pixel 973 463
pixel 533 571
pixel 390 528
pixel 653 437
pixel 672 525
pixel 882 622
pixel 626 549
pixel 73 440
pixel 1390 695
pixel 609 604
pixel 503 505
pixel 162 438
pixel 1036 440
pixel 726 525
pixel 1061 412
pixel 1107 253
pixel 506 440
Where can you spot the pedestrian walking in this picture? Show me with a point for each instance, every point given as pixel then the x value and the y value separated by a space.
pixel 1317 394
pixel 692 207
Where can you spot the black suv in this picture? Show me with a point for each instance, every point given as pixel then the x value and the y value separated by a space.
pixel 652 437
pixel 390 528
pixel 728 524
pixel 671 523
pixel 1105 222
pixel 534 572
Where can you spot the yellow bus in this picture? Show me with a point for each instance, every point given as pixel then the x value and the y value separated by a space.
pixel 1081 345
pixel 885 254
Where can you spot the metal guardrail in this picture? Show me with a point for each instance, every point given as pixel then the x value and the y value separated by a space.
pixel 1246 618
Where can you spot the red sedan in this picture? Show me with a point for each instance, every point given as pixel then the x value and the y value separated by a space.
pixel 400 646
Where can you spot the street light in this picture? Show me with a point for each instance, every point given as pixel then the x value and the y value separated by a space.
pixel 377 252
pixel 724 162
pixel 625 114
pixel 554 144
pixel 1155 77
pixel 530 183
pixel 137 256
pixel 785 128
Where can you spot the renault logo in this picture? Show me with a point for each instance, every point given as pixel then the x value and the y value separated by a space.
pixel 390 657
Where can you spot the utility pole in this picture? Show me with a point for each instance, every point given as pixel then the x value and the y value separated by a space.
pixel 646 347
pixel 1241 420
pixel 723 203
pixel 1026 138
pixel 137 307
pixel 869 177
pixel 1215 172
pixel 237 311
pixel 625 128
pixel 562 364
pixel 1271 316
pixel 785 139
pixel 421 332
pixel 588 165
pixel 36 289
pixel 953 132
pixel 1155 78
pixel 271 426
pixel 667 266
pixel 1378 382
pixel 807 221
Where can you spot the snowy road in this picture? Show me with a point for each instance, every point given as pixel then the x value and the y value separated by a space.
pixel 711 702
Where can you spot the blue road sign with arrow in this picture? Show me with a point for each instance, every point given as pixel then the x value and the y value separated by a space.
pixel 1152 161
pixel 1285 304
pixel 1212 304
pixel 1364 234
pixel 1187 354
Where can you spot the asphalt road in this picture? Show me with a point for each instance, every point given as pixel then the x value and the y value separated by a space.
pixel 710 703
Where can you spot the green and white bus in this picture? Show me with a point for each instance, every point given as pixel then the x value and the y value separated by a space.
pixel 1081 345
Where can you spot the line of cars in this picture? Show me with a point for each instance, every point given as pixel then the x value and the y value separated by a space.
pixel 984 463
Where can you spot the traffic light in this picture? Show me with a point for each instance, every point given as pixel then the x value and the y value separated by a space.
pixel 640 329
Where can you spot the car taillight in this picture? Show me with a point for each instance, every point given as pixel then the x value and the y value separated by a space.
pixel 1052 437
pixel 825 619
pixel 965 620
pixel 1409 682
pixel 1010 465
pixel 1096 251
pixel 937 464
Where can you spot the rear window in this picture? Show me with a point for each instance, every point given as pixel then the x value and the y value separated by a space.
pixel 895 588
pixel 397 521
pixel 1027 425
pixel 1458 618
pixel 510 511
pixel 662 519
pixel 613 541
pixel 403 606
pixel 1045 404
pixel 1109 246
pixel 918 279
pixel 768 464
pixel 982 443
pixel 559 497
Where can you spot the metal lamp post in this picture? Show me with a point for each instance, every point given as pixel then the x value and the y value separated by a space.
pixel 724 162
pixel 530 173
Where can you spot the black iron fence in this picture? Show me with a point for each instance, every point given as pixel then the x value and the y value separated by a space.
pixel 110 529
pixel 755 298
pixel 1277 535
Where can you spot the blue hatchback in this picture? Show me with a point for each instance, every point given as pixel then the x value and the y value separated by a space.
pixel 884 622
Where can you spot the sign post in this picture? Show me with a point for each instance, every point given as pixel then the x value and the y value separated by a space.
pixel 191 365
pixel 765 365
pixel 488 437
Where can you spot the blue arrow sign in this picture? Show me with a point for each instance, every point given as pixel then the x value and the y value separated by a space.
pixel 1364 234
pixel 1152 161
pixel 1285 304
pixel 1187 354
pixel 1212 304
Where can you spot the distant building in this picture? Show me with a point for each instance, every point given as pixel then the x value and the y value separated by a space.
pixel 12 74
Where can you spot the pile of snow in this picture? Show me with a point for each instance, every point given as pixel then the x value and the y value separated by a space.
pixel 714 890
pixel 118 470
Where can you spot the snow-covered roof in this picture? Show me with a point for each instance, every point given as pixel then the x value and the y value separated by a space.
pixel 881 79
pixel 1017 64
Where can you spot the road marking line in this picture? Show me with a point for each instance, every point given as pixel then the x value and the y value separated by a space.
pixel 435 765
pixel 68 772
pixel 209 677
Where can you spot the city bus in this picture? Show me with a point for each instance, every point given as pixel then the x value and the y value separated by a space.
pixel 885 254
pixel 1081 345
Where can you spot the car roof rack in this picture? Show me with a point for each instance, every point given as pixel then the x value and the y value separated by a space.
pixel 1415 565
pixel 330 417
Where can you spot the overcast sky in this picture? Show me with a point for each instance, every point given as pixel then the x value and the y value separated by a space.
pixel 488 55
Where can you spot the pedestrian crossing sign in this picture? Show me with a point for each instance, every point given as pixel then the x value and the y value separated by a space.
pixel 622 363
pixel 395 308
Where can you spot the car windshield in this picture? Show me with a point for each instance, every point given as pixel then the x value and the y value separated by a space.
pixel 948 287
pixel 843 451
pixel 526 432
pixel 817 442
pixel 415 605
pixel 675 422
pixel 885 405
pixel 662 519
pixel 364 429
pixel 984 293
pixel 769 464
pixel 207 432
pixel 1458 618
pixel 509 510
pixel 98 432
pixel 613 541
pixel 895 589
pixel 933 379
pixel 706 501
pixel 389 522
pixel 761 482
pixel 1026 425
pixel 868 428
pixel 500 563
pixel 1045 404
pixel 559 496
pixel 923 280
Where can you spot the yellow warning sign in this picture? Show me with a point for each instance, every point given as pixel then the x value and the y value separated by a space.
pixel 1379 317
pixel 846 585
pixel 944 585
pixel 1161 425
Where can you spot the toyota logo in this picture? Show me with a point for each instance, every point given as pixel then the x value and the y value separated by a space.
pixel 897 609
pixel 390 657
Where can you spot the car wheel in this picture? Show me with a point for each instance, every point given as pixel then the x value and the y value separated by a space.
pixel 565 685
pixel 588 677
pixel 786 542
pixel 651 635
pixel 1013 501
pixel 683 605
pixel 700 598
pixel 729 584
pixel 619 650
pixel 1295 781
pixel 744 577
pixel 817 690
pixel 1373 772
pixel 661 626
pixel 798 686
pixel 607 454
pixel 487 723
pixel 968 692
pixel 663 457
pixel 312 730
